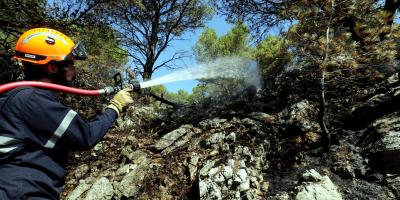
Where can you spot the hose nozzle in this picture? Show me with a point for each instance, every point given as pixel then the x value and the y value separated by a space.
pixel 135 85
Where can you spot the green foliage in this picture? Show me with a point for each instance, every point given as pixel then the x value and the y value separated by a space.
pixel 342 36
pixel 148 27
pixel 210 47
pixel 234 43
pixel 272 55
pixel 105 56
pixel 181 97
pixel 199 93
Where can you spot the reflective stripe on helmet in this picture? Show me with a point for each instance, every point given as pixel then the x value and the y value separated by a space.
pixel 48 44
pixel 61 129
pixel 8 144
pixel 29 56
pixel 26 40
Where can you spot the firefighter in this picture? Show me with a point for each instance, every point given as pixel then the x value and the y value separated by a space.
pixel 37 131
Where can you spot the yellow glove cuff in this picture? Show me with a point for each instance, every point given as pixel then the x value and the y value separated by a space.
pixel 114 108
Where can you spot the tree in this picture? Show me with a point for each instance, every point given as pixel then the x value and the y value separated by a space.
pixel 272 55
pixel 75 18
pixel 199 93
pixel 234 44
pixel 147 27
pixel 328 34
pixel 262 15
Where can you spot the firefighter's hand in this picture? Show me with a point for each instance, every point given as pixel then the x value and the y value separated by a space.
pixel 121 100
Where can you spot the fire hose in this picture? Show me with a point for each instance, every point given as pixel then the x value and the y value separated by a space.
pixel 71 90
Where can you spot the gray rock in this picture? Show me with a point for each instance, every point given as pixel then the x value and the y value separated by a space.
pixel 301 115
pixel 229 180
pixel 387 146
pixel 242 180
pixel 81 171
pixel 125 123
pixel 133 181
pixel 122 171
pixel 345 170
pixel 216 175
pixel 102 189
pixel 231 137
pixel 212 123
pixel 194 160
pixel 393 182
pixel 209 190
pixel 207 166
pixel 320 188
pixel 137 156
pixel 84 185
pixel 250 123
pixel 312 176
pixel 227 172
pixel 178 143
pixel 215 138
pixel 282 196
pixel 263 117
pixel 168 139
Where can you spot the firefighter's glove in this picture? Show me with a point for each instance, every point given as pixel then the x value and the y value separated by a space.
pixel 121 100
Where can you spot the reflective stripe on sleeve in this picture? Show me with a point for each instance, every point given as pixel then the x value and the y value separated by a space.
pixel 6 149
pixel 8 144
pixel 61 129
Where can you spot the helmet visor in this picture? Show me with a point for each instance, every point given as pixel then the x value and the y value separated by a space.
pixel 78 52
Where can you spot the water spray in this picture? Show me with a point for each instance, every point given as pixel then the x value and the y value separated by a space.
pixel 229 67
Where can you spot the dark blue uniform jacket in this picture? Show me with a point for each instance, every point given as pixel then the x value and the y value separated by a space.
pixel 36 132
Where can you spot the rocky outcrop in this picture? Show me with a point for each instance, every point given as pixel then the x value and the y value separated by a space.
pixel 383 100
pixel 317 187
pixel 131 183
pixel 102 189
pixel 176 138
pixel 302 116
pixel 382 142
pixel 393 182
pixel 245 155
pixel 231 180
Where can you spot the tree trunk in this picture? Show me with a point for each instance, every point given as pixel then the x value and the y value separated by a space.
pixel 323 104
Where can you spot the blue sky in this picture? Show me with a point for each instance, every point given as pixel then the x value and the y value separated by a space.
pixel 217 23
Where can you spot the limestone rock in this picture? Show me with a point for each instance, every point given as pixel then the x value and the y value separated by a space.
pixel 102 189
pixel 215 138
pixel 137 156
pixel 168 139
pixel 384 142
pixel 312 176
pixel 209 190
pixel 263 117
pixel 229 181
pixel 84 185
pixel 81 171
pixel 178 143
pixel 317 187
pixel 122 171
pixel 193 165
pixel 394 184
pixel 212 123
pixel 131 183
pixel 301 115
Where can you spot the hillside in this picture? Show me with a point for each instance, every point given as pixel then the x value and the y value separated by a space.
pixel 263 145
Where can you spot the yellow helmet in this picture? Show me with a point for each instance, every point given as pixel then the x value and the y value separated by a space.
pixel 42 45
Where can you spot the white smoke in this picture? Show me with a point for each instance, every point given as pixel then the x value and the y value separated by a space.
pixel 226 67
